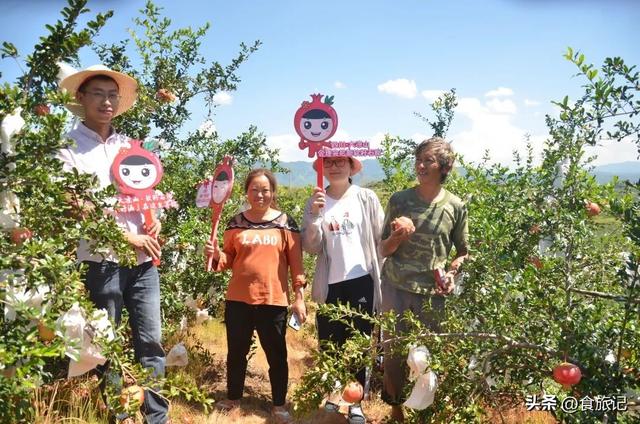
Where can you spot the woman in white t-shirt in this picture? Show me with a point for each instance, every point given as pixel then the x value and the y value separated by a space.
pixel 343 226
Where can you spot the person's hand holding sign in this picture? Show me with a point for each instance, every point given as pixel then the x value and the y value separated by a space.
pixel 212 250
pixel 146 243
pixel 317 200
pixel 154 228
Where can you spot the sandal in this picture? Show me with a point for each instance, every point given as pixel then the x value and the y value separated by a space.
pixel 356 416
pixel 281 415
pixel 331 406
pixel 227 404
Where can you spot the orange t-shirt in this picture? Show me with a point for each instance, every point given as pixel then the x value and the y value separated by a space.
pixel 260 256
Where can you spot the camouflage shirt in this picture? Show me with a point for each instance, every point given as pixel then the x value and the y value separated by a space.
pixel 439 226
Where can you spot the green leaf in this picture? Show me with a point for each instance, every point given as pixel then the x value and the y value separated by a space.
pixel 8 50
pixel 569 54
pixel 149 145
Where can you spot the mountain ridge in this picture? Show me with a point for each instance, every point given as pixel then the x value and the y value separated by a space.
pixel 302 174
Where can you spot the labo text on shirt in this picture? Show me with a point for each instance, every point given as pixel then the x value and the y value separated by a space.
pixel 264 239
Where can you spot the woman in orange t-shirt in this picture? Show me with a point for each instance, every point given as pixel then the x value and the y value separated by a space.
pixel 261 247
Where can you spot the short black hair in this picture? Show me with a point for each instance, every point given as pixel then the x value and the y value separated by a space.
pixel 99 77
pixel 316 114
pixel 136 160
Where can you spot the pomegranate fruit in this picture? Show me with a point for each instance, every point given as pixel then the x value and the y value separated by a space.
pixel 353 392
pixel 567 374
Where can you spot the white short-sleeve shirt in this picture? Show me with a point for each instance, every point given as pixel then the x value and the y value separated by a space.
pixel 342 228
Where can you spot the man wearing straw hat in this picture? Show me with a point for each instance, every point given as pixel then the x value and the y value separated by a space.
pixel 100 95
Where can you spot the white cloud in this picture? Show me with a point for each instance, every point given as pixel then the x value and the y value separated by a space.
pixel 401 87
pixel 341 135
pixel 432 95
pixel 530 103
pixel 339 84
pixel 491 130
pixel 419 137
pixel 502 106
pixel 376 139
pixel 223 98
pixel 499 92
pixel 612 152
pixel 488 124
pixel 288 145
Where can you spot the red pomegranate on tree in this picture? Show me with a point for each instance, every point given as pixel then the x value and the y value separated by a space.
pixel 132 396
pixel 593 208
pixel 165 96
pixel 536 262
pixel 567 374
pixel 315 122
pixel 41 109
pixel 353 392
pixel 20 235
pixel 535 229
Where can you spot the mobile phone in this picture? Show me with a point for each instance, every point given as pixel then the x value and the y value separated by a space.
pixel 294 322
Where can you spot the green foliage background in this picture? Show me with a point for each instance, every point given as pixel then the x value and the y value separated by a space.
pixel 514 320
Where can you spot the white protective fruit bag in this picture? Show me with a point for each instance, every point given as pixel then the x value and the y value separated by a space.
pixel 177 356
pixel 426 380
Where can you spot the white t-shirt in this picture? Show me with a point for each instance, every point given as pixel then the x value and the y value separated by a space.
pixel 91 155
pixel 342 227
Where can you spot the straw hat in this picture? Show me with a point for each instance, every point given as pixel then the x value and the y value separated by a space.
pixel 356 165
pixel 127 88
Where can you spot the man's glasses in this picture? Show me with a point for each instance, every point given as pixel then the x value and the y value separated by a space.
pixel 328 163
pixel 102 96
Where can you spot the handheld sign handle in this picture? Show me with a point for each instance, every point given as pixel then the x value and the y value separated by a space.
pixel 215 219
pixel 148 219
pixel 320 172
pixel 221 187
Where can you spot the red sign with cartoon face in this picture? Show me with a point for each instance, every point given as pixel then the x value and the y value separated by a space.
pixel 137 171
pixel 214 192
pixel 222 181
pixel 315 122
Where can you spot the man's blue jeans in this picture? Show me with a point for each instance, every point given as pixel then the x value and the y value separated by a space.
pixel 111 287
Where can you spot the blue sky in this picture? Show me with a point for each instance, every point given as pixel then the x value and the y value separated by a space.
pixel 383 60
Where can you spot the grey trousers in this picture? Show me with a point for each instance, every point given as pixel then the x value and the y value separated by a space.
pixel 395 368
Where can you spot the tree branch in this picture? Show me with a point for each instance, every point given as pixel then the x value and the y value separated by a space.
pixel 616 297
